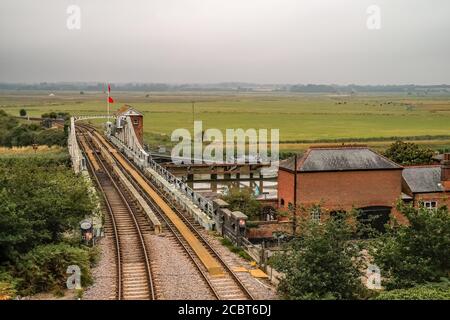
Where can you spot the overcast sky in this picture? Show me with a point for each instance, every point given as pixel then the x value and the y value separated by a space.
pixel 203 41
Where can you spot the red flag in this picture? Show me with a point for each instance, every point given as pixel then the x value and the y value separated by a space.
pixel 110 100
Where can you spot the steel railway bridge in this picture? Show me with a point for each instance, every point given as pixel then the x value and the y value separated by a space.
pixel 128 177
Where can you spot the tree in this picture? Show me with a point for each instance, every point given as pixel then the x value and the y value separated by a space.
pixel 7 123
pixel 432 291
pixel 13 134
pixel 63 115
pixel 44 267
pixel 56 115
pixel 408 153
pixel 23 112
pixel 243 200
pixel 39 203
pixel 19 137
pixel 323 263
pixel 52 137
pixel 416 253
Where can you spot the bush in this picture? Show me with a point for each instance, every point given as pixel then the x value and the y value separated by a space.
pixel 52 137
pixel 7 122
pixel 239 251
pixel 56 115
pixel 7 286
pixel 13 134
pixel 439 291
pixel 286 155
pixel 39 203
pixel 44 268
pixel 46 161
pixel 408 153
pixel 323 263
pixel 243 200
pixel 19 137
pixel 23 112
pixel 252 224
pixel 51 115
pixel 7 291
pixel 409 255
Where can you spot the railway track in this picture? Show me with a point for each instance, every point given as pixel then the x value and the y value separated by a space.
pixel 134 276
pixel 224 286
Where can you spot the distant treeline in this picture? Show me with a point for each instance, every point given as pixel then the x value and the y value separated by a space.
pixel 226 86
pixel 358 88
pixel 371 139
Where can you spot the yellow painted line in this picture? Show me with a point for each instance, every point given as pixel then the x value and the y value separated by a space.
pixel 89 153
pixel 240 269
pixel 258 273
pixel 202 253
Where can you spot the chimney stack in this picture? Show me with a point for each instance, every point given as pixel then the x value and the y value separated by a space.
pixel 445 168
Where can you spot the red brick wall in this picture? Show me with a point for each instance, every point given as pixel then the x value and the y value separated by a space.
pixel 285 187
pixel 342 190
pixel 445 165
pixel 441 198
pixel 138 128
pixel 266 229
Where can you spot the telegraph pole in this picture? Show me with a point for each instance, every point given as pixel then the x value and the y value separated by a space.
pixel 193 114
pixel 294 217
pixel 108 105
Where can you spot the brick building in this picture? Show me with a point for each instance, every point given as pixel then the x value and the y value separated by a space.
pixel 342 178
pixel 137 119
pixel 429 185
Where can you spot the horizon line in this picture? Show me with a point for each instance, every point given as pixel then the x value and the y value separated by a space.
pixel 220 83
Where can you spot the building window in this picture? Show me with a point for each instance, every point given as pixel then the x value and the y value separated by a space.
pixel 135 122
pixel 430 204
pixel 316 214
pixel 373 218
pixel 282 203
pixel 338 215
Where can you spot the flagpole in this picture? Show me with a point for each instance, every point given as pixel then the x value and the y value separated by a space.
pixel 108 102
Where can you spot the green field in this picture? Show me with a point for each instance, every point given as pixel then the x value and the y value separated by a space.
pixel 302 119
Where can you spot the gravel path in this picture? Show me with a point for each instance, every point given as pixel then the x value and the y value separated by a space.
pixel 175 275
pixel 104 273
pixel 261 289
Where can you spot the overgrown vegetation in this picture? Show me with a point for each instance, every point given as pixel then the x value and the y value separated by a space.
pixel 56 115
pixel 42 202
pixel 326 261
pixel 44 268
pixel 322 263
pixel 432 291
pixel 13 133
pixel 411 255
pixel 409 153
pixel 239 251
pixel 243 200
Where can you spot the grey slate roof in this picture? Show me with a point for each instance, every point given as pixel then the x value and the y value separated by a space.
pixel 289 162
pixel 423 179
pixel 340 159
pixel 406 197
